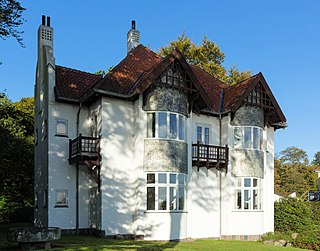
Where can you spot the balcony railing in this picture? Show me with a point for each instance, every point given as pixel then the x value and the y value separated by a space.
pixel 84 148
pixel 210 156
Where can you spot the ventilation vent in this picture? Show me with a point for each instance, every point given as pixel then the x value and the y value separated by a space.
pixel 46 34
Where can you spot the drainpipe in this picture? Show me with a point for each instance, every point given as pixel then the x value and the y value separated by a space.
pixel 77 176
pixel 220 175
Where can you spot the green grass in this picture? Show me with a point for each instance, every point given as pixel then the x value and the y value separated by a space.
pixel 89 243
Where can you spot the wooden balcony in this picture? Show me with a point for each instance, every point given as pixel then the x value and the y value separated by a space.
pixel 210 156
pixel 83 149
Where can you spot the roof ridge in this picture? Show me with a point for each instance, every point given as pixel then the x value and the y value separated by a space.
pixel 75 70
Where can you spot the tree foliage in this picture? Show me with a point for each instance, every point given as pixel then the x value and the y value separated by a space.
pixel 292 172
pixel 16 154
pixel 316 160
pixel 10 19
pixel 207 56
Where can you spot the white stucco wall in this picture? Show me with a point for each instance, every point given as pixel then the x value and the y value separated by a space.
pixel 117 167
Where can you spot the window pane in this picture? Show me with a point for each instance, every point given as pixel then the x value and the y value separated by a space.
pixel 256 138
pixel 61 197
pixel 199 134
pixel 237 137
pixel 151 128
pixel 181 198
pixel 247 182
pixel 255 199
pixel 151 195
pixel 181 127
pixel 261 139
pixel 162 178
pixel 238 199
pixel 162 125
pixel 239 182
pixel 247 198
pixel 206 135
pixel 173 178
pixel 247 138
pixel 173 126
pixel 62 127
pixel 173 198
pixel 255 182
pixel 151 179
pixel 162 198
pixel 181 179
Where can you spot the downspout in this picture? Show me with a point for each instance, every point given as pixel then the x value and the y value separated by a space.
pixel 220 175
pixel 77 176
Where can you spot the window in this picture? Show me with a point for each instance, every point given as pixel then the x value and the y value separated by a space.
pixel 248 194
pixel 166 191
pixel 250 137
pixel 62 127
pixel 166 125
pixel 203 134
pixel 61 198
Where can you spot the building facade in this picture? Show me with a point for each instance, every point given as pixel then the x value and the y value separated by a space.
pixel 157 148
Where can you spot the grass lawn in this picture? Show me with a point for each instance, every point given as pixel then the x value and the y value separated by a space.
pixel 89 243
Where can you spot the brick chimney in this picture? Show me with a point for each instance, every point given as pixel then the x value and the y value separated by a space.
pixel 133 37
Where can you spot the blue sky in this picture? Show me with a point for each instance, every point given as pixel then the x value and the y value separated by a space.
pixel 280 38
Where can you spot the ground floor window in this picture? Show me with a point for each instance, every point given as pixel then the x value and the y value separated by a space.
pixel 248 194
pixel 166 191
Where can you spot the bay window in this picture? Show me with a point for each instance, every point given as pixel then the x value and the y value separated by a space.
pixel 249 137
pixel 166 125
pixel 166 191
pixel 248 194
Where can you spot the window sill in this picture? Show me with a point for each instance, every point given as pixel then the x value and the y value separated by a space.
pixel 61 135
pixel 167 139
pixel 61 206
pixel 166 211
pixel 248 210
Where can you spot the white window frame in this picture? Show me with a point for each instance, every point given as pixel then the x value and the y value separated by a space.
pixel 239 134
pixel 253 200
pixel 65 123
pixel 167 132
pixel 61 203
pixel 204 127
pixel 176 187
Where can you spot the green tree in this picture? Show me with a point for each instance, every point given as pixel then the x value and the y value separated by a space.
pixel 293 155
pixel 316 160
pixel 16 154
pixel 10 19
pixel 292 173
pixel 207 56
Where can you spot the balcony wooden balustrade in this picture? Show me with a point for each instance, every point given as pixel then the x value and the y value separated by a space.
pixel 82 149
pixel 210 156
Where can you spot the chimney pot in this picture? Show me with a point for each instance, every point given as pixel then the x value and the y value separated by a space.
pixel 48 21
pixel 43 20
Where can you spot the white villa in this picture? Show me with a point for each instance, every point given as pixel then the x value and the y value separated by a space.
pixel 156 149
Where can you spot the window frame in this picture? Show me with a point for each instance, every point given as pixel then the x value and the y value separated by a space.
pixel 240 136
pixel 253 193
pixel 61 204
pixel 65 122
pixel 172 191
pixel 155 130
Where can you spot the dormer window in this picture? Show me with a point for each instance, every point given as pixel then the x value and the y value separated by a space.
pixel 166 125
pixel 248 137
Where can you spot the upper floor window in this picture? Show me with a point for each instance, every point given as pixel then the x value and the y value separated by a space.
pixel 61 127
pixel 166 125
pixel 248 194
pixel 248 137
pixel 203 134
pixel 166 191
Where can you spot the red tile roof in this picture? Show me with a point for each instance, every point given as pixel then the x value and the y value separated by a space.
pixel 72 84
pixel 234 92
pixel 141 65
pixel 211 85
